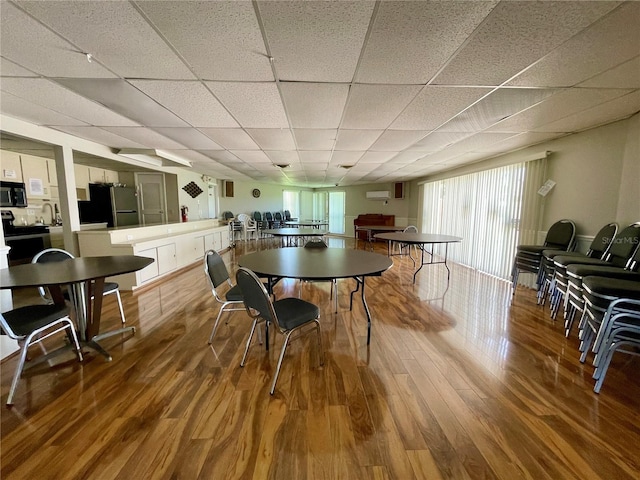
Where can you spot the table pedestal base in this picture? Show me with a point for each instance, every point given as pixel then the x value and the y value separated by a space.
pixel 94 345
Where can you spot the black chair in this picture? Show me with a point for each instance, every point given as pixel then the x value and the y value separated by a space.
pixel 278 221
pixel 31 325
pixel 218 275
pixel 262 224
pixel 235 227
pixel 560 236
pixel 288 217
pixel 288 315
pixel 268 216
pixel 612 316
pixel 598 249
pixel 59 255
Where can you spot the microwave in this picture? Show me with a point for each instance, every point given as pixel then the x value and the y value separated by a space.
pixel 13 194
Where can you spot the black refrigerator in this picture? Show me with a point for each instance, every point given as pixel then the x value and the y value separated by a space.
pixel 118 206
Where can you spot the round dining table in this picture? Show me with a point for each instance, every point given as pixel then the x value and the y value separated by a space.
pixel 291 237
pixel 319 264
pixel 83 275
pixel 306 223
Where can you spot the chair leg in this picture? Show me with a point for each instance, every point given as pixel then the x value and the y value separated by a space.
pixel 246 349
pixel 282 352
pixel 18 373
pixel 320 350
pixel 120 305
pixel 215 325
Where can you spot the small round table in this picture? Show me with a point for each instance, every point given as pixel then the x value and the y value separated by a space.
pixel 307 223
pixel 319 264
pixel 291 237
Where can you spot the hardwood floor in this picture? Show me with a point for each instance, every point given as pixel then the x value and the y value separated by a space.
pixel 464 383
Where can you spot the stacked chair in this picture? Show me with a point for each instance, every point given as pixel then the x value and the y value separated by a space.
pixel 611 320
pixel 598 249
pixel 569 272
pixel 560 236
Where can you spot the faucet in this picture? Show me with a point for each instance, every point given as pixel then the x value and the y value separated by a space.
pixel 50 211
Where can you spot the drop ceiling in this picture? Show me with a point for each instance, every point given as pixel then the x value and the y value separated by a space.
pixel 342 92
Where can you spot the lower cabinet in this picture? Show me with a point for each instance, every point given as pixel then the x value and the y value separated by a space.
pixel 164 257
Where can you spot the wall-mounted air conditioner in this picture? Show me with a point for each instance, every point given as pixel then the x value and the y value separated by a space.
pixel 378 195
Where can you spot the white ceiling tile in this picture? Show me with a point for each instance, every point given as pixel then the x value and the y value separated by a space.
pixel 47 53
pixel 376 157
pixel 561 104
pixel 500 104
pixel 477 141
pixel 272 138
pixel 436 141
pixel 101 136
pixel 115 34
pixel 315 41
pixel 315 156
pixel 315 139
pixel 10 69
pixel 314 105
pixel 283 156
pixel 396 140
pixel 190 138
pixel 434 106
pixel 221 156
pixel 401 47
pixel 515 35
pixel 376 106
pixel 251 156
pixel 231 138
pixel 626 75
pixel 345 157
pixel 191 101
pixel 55 97
pixel 146 137
pixel 356 139
pixel 254 105
pixel 518 141
pixel 607 43
pixel 219 40
pixel 601 114
pixel 405 157
pixel 25 110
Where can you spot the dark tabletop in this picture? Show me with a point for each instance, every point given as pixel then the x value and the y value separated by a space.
pixel 70 271
pixel 315 263
pixel 382 228
pixel 306 223
pixel 418 238
pixel 295 232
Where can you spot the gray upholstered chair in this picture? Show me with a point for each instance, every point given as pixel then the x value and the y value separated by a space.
pixel 287 315
pixel 32 324
pixel 59 255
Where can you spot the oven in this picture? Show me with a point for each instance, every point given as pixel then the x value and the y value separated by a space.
pixel 25 241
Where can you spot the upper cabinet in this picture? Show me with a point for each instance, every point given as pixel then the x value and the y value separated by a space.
pixel 100 175
pixel 35 174
pixel 10 170
pixel 82 181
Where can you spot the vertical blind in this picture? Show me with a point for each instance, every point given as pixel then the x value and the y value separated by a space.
pixel 486 209
pixel 291 202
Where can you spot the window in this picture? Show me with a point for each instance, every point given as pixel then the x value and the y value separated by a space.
pixel 291 202
pixel 491 210
pixel 336 212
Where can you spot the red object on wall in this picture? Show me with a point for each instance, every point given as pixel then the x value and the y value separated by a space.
pixel 184 211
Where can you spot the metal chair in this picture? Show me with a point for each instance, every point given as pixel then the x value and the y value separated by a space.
pixel 249 226
pixel 218 275
pixel 234 226
pixel 278 221
pixel 560 236
pixel 288 315
pixel 33 324
pixel 59 255
pixel 268 217
pixel 404 246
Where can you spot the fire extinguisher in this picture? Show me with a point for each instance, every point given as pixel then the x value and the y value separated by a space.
pixel 184 210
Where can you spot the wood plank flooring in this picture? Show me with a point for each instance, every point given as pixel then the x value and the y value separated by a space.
pixel 464 382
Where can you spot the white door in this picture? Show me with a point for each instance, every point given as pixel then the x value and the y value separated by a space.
pixel 151 195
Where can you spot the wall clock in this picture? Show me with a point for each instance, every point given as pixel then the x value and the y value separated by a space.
pixel 255 192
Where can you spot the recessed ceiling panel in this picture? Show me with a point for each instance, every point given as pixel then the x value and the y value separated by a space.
pixel 55 97
pixel 115 34
pixel 10 69
pixel 517 141
pixel 411 41
pixel 376 106
pixel 345 158
pixel 626 75
pixel 146 137
pixel 272 138
pixel 315 139
pixel 221 156
pixel 356 139
pixel 251 156
pixel 434 106
pixel 253 105
pixel 283 156
pixel 28 43
pixel 219 40
pixel 100 136
pixel 396 140
pixel 314 105
pixel 314 156
pixel 436 141
pixel 376 157
pixel 607 43
pixel 191 101
pixel 25 110
pixel 190 138
pixel 515 35
pixel 231 138
pixel 315 41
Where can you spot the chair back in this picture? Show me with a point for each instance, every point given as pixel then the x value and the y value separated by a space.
pixel 49 255
pixel 268 216
pixel 243 217
pixel 255 296
pixel 624 245
pixel 410 229
pixel 287 215
pixel 316 243
pixel 561 235
pixel 277 216
pixel 7 330
pixel 602 241
pixel 215 269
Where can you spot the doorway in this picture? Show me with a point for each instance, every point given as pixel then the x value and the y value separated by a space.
pixel 151 195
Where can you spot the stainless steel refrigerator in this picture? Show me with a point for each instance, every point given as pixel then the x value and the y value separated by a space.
pixel 118 206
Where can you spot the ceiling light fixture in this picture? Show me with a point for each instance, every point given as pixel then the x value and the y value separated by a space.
pixel 158 158
pixel 346 167
pixel 282 165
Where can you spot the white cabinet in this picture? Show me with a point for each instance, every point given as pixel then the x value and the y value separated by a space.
pixel 82 181
pixel 11 170
pixel 100 175
pixel 167 260
pixel 111 176
pixel 35 175
pixel 151 270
